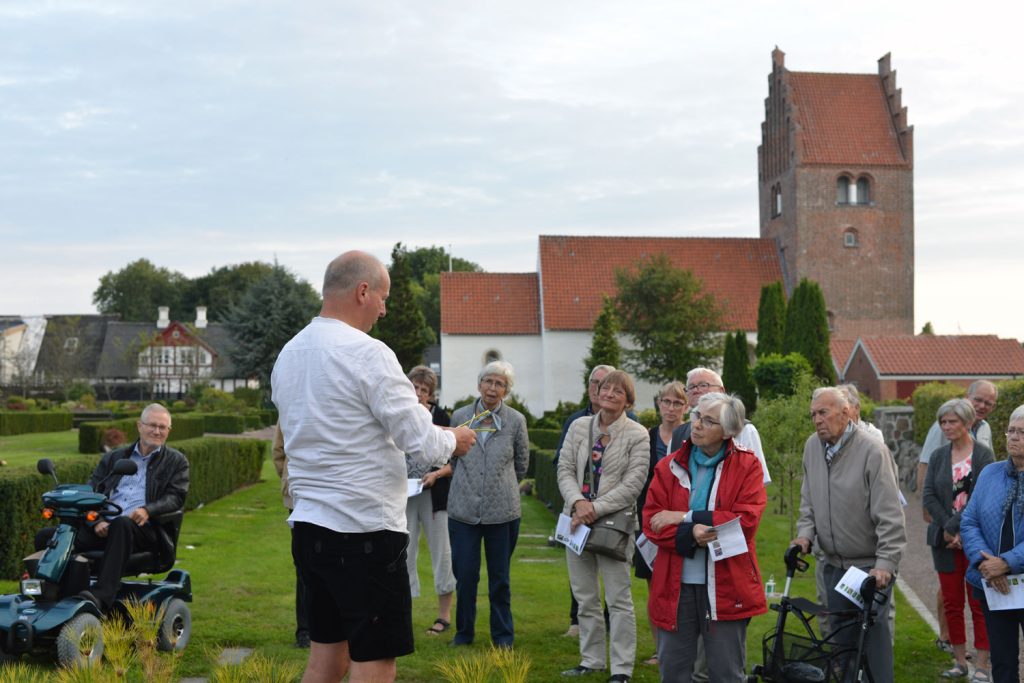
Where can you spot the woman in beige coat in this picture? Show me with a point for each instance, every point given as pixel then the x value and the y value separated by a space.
pixel 601 469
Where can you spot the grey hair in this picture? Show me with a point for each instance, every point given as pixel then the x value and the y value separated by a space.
pixel 154 408
pixel 733 414
pixel 348 270
pixel 1017 415
pixel 695 371
pixel 978 384
pixel 852 395
pixel 597 368
pixel 835 392
pixel 498 367
pixel 961 408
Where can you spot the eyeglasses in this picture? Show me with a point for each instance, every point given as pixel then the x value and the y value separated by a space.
pixel 983 401
pixel 705 421
pixel 1014 432
pixel 670 403
pixel 156 427
pixel 702 386
pixel 496 383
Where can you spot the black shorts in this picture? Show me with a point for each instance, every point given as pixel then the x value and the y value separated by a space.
pixel 357 590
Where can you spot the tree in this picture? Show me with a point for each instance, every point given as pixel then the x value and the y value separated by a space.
pixel 807 329
pixel 928 329
pixel 270 313
pixel 672 322
pixel 771 319
pixel 135 291
pixel 404 328
pixel 604 345
pixel 777 375
pixel 736 373
pixel 426 265
pixel 222 288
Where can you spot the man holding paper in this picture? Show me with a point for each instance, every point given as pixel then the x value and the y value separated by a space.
pixel 850 507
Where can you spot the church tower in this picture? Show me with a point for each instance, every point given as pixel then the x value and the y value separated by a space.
pixel 836 193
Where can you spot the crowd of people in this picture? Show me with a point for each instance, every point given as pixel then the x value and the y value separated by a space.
pixel 357 431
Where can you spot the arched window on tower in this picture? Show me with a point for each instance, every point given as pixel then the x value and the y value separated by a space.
pixel 843 190
pixel 778 200
pixel 863 190
pixel 850 238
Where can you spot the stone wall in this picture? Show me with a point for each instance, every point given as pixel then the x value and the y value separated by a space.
pixel 897 425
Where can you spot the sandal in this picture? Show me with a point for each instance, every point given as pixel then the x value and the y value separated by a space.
pixel 652 660
pixel 981 676
pixel 438 627
pixel 944 645
pixel 956 672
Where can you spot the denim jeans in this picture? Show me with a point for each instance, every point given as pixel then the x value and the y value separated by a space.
pixel 499 541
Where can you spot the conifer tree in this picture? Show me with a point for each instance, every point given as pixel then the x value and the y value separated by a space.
pixel 736 373
pixel 807 329
pixel 771 319
pixel 404 328
pixel 604 346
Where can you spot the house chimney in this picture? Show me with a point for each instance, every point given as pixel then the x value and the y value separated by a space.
pixel 163 317
pixel 200 317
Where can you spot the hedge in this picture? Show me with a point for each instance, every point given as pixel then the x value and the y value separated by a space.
pixel 90 434
pixel 216 468
pixel 926 399
pixel 1011 395
pixel 545 438
pixel 546 480
pixel 223 423
pixel 27 422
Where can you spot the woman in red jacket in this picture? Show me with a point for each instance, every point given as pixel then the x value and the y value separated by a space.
pixel 706 483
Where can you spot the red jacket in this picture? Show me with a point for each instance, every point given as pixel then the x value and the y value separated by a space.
pixel 734 584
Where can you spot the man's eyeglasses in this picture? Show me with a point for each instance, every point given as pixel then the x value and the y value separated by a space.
pixel 156 427
pixel 701 386
pixel 1014 432
pixel 671 403
pixel 705 421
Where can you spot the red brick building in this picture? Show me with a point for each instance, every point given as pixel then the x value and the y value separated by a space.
pixel 836 190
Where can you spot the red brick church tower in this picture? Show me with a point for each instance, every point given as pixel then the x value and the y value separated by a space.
pixel 836 193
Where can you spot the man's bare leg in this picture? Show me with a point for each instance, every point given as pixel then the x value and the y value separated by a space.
pixel 329 662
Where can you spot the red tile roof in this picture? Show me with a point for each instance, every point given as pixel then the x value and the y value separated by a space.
pixel 843 119
pixel 969 355
pixel 575 271
pixel 489 303
pixel 841 350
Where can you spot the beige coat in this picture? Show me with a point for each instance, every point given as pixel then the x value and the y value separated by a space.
pixel 625 464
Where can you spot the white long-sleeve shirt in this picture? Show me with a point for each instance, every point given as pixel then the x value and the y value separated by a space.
pixel 349 415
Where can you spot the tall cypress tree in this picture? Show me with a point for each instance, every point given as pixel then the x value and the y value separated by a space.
pixel 404 328
pixel 604 346
pixel 771 319
pixel 742 384
pixel 807 329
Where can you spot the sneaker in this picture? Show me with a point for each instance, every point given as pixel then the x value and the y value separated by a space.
pixel 573 632
pixel 619 678
pixel 580 671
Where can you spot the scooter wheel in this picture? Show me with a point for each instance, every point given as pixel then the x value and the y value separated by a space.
pixel 175 627
pixel 80 641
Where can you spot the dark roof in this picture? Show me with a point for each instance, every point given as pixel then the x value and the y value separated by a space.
pixel 124 341
pixel 56 357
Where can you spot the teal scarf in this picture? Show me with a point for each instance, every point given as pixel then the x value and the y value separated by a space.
pixel 698 459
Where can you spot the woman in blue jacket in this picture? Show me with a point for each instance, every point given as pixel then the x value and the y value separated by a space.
pixel 992 531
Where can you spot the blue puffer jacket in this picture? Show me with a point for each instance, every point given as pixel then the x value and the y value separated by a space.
pixel 982 521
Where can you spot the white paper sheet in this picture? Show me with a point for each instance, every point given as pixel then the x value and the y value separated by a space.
pixel 730 541
pixel 415 487
pixel 647 550
pixel 573 540
pixel 849 585
pixel 1015 598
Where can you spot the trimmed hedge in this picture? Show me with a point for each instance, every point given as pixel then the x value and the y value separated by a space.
pixel 926 399
pixel 545 438
pixel 1011 395
pixel 546 480
pixel 90 434
pixel 216 468
pixel 28 422
pixel 222 423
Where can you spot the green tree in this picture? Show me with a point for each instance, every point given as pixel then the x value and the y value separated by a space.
pixel 736 374
pixel 404 328
pixel 426 265
pixel 771 319
pixel 222 288
pixel 135 291
pixel 807 329
pixel 270 313
pixel 777 375
pixel 604 345
pixel 928 329
pixel 673 323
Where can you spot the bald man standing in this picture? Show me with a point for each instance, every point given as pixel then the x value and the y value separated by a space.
pixel 349 416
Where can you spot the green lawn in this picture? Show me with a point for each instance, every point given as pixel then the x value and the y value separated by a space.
pixel 26 449
pixel 237 550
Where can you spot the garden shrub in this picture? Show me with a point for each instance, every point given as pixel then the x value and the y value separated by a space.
pixel 251 397
pixel 545 438
pixel 29 422
pixel 926 399
pixel 220 423
pixel 90 434
pixel 777 375
pixel 216 468
pixel 1011 395
pixel 546 479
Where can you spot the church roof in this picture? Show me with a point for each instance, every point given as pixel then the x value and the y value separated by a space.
pixel 489 303
pixel 843 119
pixel 980 355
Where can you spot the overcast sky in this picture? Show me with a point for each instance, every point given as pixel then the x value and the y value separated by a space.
pixel 200 134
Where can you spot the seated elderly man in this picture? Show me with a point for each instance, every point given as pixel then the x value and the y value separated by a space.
pixel 157 488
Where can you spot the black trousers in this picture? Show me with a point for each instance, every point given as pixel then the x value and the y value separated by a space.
pixel 301 613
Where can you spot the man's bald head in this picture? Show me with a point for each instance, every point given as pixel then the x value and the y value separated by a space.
pixel 351 268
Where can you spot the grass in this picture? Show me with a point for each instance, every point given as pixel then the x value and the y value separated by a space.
pixel 238 552
pixel 26 449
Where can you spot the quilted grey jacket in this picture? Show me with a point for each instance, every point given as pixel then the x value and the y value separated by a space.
pixel 485 481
